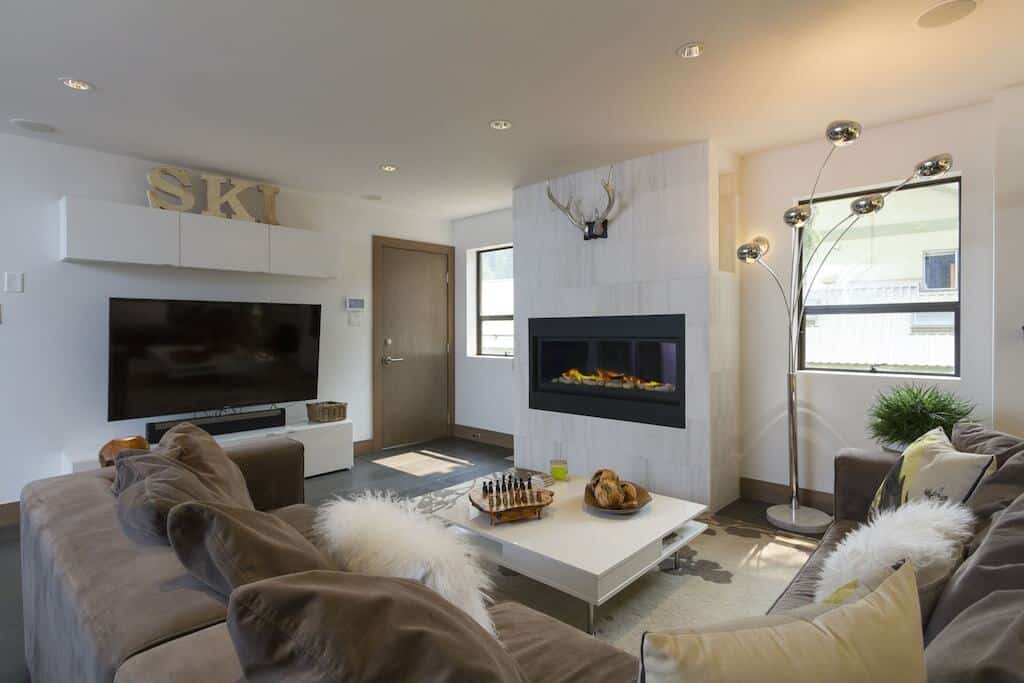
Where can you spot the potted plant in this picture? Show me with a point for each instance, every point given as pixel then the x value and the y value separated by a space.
pixel 901 415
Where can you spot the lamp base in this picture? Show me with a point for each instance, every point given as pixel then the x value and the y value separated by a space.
pixel 800 519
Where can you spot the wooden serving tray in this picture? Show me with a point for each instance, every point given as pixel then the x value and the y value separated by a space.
pixel 643 497
pixel 508 507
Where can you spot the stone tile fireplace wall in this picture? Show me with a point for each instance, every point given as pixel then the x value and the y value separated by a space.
pixel 661 257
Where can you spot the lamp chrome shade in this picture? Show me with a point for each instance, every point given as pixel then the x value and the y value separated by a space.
pixel 796 216
pixel 751 252
pixel 841 133
pixel 871 203
pixel 933 166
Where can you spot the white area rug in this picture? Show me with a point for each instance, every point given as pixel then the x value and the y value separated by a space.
pixel 733 570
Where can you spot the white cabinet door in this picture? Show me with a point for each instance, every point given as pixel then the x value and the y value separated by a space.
pixel 301 252
pixel 223 244
pixel 93 230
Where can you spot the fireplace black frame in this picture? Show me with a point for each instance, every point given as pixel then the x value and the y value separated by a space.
pixel 646 409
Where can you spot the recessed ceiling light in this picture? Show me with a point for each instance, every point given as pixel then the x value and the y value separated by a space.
pixel 33 126
pixel 501 124
pixel 388 168
pixel 77 84
pixel 690 50
pixel 945 12
pixel 372 197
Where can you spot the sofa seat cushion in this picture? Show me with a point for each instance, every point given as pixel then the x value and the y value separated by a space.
pixel 206 656
pixel 800 590
pixel 549 651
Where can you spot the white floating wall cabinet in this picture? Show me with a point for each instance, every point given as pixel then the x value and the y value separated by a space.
pixel 224 244
pixel 93 230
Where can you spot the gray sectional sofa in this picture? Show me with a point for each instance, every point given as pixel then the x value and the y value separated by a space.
pixel 102 606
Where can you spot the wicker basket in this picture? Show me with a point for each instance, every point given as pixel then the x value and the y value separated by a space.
pixel 326 411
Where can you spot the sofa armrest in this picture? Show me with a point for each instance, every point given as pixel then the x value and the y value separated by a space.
pixel 858 475
pixel 274 470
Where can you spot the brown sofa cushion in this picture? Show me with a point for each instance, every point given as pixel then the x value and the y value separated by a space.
pixel 976 438
pixel 335 626
pixel 188 465
pixel 983 643
pixel 226 547
pixel 997 565
pixel 553 652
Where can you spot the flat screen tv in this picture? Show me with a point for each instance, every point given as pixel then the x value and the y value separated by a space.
pixel 169 357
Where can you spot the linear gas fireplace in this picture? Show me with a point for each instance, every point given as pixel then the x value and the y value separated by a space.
pixel 624 367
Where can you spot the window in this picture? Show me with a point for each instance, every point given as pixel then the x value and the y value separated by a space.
pixel 887 298
pixel 494 296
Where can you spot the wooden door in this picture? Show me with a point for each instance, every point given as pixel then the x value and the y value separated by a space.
pixel 413 327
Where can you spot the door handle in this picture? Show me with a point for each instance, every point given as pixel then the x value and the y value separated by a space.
pixel 388 360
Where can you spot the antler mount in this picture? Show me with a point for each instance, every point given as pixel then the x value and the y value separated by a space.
pixel 596 228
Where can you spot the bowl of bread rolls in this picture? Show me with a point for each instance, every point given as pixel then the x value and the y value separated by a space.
pixel 607 493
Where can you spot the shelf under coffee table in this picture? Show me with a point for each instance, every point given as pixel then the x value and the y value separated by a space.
pixel 587 554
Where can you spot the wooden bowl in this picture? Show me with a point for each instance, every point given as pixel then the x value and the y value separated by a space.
pixel 642 499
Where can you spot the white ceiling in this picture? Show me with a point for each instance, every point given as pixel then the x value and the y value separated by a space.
pixel 316 94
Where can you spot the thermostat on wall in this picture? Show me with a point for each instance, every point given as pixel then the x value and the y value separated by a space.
pixel 355 303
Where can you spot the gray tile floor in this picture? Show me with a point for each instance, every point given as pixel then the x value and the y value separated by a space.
pixel 467 460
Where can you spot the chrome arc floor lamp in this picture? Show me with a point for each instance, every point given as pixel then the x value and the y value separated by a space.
pixel 793 516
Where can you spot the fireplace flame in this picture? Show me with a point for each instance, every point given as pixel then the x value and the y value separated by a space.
pixel 612 379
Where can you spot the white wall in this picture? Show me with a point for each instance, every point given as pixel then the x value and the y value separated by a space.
pixel 1009 274
pixel 656 260
pixel 53 338
pixel 833 406
pixel 485 388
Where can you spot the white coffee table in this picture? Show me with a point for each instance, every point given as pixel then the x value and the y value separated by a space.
pixel 589 555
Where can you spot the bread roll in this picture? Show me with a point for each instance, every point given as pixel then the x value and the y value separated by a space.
pixel 603 475
pixel 608 494
pixel 629 494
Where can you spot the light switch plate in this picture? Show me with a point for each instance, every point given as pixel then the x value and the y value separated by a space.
pixel 14 283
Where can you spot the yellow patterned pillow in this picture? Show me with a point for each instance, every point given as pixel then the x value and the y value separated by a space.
pixel 875 638
pixel 931 468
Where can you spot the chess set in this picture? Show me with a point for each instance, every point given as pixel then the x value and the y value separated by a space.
pixel 507 498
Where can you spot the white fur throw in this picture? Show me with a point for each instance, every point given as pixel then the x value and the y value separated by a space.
pixel 923 532
pixel 381 535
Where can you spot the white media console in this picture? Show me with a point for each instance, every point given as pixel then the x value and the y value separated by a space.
pixel 328 446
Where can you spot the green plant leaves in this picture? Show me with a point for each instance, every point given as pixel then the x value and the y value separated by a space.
pixel 904 413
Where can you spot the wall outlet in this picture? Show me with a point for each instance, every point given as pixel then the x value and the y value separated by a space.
pixel 14 283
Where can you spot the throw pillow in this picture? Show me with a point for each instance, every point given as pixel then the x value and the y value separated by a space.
pixel 975 438
pixel 226 547
pixel 931 468
pixel 997 566
pixel 876 638
pixel 201 454
pixel 378 534
pixel 187 465
pixel 983 643
pixel 335 626
pixel 927 533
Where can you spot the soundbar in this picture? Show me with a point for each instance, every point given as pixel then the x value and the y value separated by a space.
pixel 220 424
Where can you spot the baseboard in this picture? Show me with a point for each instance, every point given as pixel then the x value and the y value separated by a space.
pixel 10 514
pixel 483 436
pixel 363 447
pixel 776 494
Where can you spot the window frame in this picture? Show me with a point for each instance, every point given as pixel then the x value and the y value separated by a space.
pixel 919 307
pixel 480 318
